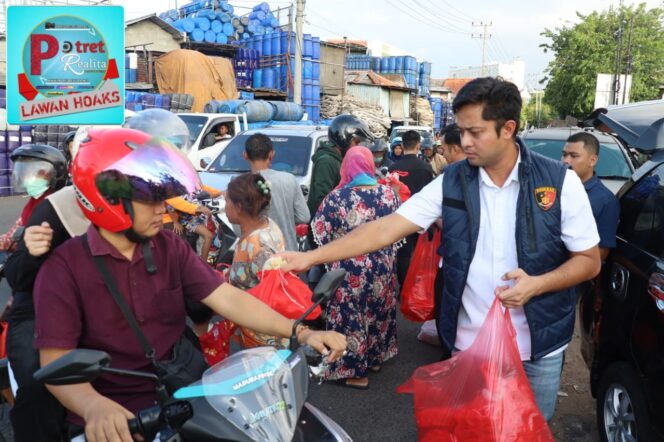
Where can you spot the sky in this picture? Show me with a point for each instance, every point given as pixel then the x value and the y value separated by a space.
pixel 439 31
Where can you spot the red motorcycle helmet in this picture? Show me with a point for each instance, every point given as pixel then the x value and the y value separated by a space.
pixel 116 166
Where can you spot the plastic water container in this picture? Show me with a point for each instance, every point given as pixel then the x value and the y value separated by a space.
pixel 307 69
pixel 315 46
pixel 259 43
pixel 392 64
pixel 315 93
pixel 307 91
pixel 216 26
pixel 276 43
pixel 235 21
pixel 206 13
pixel 307 47
pixel 202 23
pixel 158 101
pixel 264 6
pixel 258 79
pixel 198 35
pixel 132 75
pixel 267 45
pixel 244 20
pixel 256 110
pixel 228 29
pixel 210 36
pixel 285 111
pixel 399 64
pixel 222 39
pixel 268 78
pixel 315 71
pixel 384 64
pixel 188 24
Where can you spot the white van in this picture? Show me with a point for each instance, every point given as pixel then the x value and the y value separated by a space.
pixel 202 130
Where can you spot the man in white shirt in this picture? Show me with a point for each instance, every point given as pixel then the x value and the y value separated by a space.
pixel 515 225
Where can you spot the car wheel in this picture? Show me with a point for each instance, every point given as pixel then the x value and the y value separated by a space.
pixel 622 414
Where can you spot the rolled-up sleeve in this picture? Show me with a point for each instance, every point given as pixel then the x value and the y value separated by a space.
pixel 58 312
pixel 426 206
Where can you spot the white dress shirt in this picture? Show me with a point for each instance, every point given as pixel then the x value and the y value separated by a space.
pixel 495 253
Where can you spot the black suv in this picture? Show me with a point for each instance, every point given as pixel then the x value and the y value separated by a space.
pixel 622 317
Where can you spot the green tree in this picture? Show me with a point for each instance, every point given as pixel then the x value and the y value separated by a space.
pixel 589 47
pixel 534 115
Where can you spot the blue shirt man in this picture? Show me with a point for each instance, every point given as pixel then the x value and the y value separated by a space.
pixel 581 153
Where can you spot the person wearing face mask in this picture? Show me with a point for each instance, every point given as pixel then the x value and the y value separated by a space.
pixel 39 170
pixel 380 154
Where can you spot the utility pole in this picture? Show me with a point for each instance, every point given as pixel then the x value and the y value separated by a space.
pixel 628 66
pixel 297 84
pixel 616 77
pixel 485 36
pixel 343 76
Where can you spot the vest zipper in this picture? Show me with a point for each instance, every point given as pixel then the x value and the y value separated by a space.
pixel 532 244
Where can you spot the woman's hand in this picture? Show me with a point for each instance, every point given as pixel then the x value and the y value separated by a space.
pixel 204 210
pixel 38 239
pixel 327 343
pixel 178 229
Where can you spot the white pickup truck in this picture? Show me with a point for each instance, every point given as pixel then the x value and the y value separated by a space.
pixel 202 130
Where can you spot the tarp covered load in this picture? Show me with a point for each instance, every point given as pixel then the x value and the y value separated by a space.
pixel 183 71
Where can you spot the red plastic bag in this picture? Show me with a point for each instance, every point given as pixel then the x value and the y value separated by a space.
pixel 417 293
pixel 481 393
pixel 215 343
pixel 400 188
pixel 285 293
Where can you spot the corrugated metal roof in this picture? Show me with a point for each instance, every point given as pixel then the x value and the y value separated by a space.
pixel 455 84
pixel 371 78
pixel 177 35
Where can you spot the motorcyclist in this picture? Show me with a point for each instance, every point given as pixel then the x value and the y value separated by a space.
pixel 429 155
pixel 344 132
pixel 380 155
pixel 36 415
pixel 123 177
pixel 39 170
pixel 396 150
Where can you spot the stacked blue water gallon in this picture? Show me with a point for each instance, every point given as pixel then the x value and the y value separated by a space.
pixel 442 113
pixel 311 76
pixel 404 65
pixel 214 21
pixel 131 67
pixel 138 101
pixel 425 79
pixel 245 62
pixel 258 111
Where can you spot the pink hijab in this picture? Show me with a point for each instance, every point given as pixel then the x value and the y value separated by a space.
pixel 357 168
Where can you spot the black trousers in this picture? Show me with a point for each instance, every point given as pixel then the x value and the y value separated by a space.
pixel 36 415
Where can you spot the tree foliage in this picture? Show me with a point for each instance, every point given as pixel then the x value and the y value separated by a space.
pixel 533 115
pixel 589 47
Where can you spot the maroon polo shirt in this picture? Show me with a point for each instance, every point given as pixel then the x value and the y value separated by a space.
pixel 74 309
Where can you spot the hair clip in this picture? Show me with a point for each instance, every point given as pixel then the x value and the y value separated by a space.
pixel 263 187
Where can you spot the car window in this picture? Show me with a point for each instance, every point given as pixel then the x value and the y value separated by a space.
pixel 195 124
pixel 292 153
pixel 611 162
pixel 642 213
pixel 399 133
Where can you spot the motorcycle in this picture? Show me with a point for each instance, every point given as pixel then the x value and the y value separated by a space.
pixel 257 394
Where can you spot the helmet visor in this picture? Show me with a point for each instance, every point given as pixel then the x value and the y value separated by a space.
pixel 161 123
pixel 152 172
pixel 29 172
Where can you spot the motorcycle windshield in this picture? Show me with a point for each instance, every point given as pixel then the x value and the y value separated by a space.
pixel 253 389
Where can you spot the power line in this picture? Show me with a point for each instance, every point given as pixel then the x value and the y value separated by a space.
pixel 453 24
pixel 448 13
pixel 431 24
pixel 425 15
pixel 449 5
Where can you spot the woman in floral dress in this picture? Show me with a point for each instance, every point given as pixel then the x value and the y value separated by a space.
pixel 364 308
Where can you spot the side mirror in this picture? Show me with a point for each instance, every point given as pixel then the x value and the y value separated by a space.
pixel 328 284
pixel 203 195
pixel 76 367
pixel 205 162
pixel 305 189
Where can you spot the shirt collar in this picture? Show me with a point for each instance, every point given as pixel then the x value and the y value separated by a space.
pixel 513 176
pixel 592 182
pixel 99 246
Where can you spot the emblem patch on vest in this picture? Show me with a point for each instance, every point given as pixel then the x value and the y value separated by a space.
pixel 545 197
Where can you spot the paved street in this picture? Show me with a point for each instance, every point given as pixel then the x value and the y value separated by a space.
pixel 380 414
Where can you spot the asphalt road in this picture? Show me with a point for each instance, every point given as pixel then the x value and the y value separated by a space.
pixel 379 413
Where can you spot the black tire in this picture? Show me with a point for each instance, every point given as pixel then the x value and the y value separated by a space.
pixel 619 382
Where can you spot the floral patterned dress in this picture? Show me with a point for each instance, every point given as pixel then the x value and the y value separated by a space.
pixel 364 308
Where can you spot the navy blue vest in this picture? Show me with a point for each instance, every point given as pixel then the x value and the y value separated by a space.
pixel 540 248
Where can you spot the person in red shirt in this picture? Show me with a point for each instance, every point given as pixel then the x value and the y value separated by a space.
pixel 122 178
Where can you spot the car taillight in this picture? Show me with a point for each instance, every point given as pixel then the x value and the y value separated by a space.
pixel 302 229
pixel 656 289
